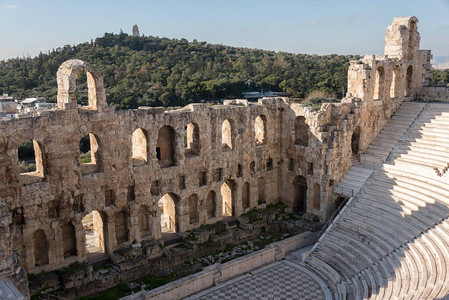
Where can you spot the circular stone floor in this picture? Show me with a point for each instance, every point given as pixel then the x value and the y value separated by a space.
pixel 279 280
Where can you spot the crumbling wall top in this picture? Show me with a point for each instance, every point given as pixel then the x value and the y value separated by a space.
pixel 402 38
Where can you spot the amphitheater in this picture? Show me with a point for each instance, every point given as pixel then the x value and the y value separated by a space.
pixel 373 169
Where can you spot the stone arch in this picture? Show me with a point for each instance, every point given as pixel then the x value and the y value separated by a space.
pixel 165 148
pixel 192 139
pixel 67 74
pixel 90 154
pixel 261 190
pixel 139 147
pixel 40 245
pixel 246 195
pixel 301 133
pixel 379 84
pixel 395 83
pixel 30 158
pixel 299 195
pixel 355 141
pixel 227 194
pixel 121 227
pixel 169 206
pixel 227 134
pixel 193 208
pixel 316 203
pixel 211 204
pixel 69 240
pixel 260 129
pixel 408 81
pixel 93 224
pixel 144 222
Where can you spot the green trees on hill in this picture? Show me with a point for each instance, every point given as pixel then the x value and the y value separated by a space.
pixel 439 76
pixel 156 71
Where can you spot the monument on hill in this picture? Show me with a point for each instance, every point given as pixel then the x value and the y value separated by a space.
pixel 136 31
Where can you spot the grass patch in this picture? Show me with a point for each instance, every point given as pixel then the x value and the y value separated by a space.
pixel 112 294
pixel 153 282
pixel 71 269
pixel 315 103
pixel 100 267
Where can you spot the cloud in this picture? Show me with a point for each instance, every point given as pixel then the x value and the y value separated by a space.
pixel 12 6
pixel 310 22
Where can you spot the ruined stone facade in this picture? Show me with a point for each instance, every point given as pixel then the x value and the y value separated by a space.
pixel 152 170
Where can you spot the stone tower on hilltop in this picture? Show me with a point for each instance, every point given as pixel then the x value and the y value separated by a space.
pixel 136 31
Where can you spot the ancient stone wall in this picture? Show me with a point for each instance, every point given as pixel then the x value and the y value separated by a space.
pixel 125 190
pixel 434 93
pixel 377 84
pixel 154 171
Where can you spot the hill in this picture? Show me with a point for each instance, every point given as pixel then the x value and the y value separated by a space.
pixel 155 71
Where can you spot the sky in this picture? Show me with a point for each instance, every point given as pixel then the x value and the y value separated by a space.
pixel 297 26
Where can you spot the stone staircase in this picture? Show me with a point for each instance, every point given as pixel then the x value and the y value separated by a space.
pixel 380 149
pixel 392 239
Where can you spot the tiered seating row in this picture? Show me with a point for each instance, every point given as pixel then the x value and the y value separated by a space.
pixel 392 241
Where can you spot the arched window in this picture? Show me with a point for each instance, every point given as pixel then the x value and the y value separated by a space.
pixel 379 84
pixel 227 135
pixel 211 204
pixel 227 194
pixel 67 76
pixel 301 131
pixel 95 232
pixel 316 196
pixel 167 205
pixel 252 167
pixel 139 147
pixel 90 154
pixel 245 195
pixel 40 247
pixel 261 190
pixel 192 139
pixel 193 209
pixel 394 88
pixel 165 148
pixel 355 140
pixel 260 126
pixel 202 178
pixel 69 240
pixel 144 223
pixel 121 227
pixel 239 170
pixel 30 158
pixel 291 165
pixel 408 81
pixel 299 195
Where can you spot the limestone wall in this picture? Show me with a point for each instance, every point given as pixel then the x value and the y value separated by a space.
pixel 434 93
pixel 65 192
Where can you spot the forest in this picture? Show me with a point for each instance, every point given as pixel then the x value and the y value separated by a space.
pixel 153 71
